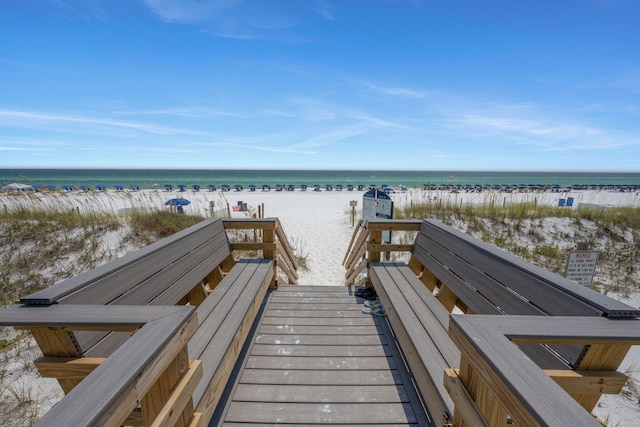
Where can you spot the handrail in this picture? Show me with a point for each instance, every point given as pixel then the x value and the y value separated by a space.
pixel 367 239
pixel 270 238
pixel 114 389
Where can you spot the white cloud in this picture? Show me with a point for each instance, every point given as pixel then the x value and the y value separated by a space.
pixel 28 119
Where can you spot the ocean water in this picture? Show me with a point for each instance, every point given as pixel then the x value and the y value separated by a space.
pixel 157 178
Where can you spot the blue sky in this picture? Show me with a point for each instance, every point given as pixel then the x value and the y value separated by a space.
pixel 321 84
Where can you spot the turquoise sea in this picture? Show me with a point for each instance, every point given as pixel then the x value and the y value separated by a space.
pixel 150 178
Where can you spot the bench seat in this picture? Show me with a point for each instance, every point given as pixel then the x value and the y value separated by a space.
pixel 421 326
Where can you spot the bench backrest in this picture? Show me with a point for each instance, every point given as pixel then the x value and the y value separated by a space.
pixel 159 274
pixel 490 281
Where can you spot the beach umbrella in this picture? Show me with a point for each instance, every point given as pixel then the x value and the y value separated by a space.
pixel 291 187
pixel 316 187
pixel 279 187
pixel 266 187
pixel 67 188
pixel 195 187
pixel 225 187
pixel 100 187
pixel 177 202
pixel 182 187
pixel 134 187
pixel 238 187
pixel 36 187
pixel 304 187
pixel 169 187
pixel 360 187
pixel 338 187
pixel 85 187
pixel 252 187
pixel 349 187
pixel 51 187
pixel 119 187
pixel 212 187
pixel 328 187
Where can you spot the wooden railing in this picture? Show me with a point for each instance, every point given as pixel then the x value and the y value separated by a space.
pixel 267 237
pixel 149 378
pixel 366 244
pixel 495 383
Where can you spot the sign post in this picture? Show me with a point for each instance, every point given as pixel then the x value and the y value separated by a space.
pixel 581 265
pixel 353 204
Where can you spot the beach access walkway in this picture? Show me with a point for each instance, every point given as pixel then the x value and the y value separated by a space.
pixel 208 327
pixel 315 359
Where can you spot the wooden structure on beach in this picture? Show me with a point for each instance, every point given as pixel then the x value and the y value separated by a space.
pixel 187 332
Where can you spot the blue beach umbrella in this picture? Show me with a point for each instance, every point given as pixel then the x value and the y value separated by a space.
pixel 85 187
pixel 182 187
pixel 67 188
pixel 51 187
pixel 119 187
pixel 252 187
pixel 195 187
pixel 169 187
pixel 238 187
pixel 212 187
pixel 134 187
pixel 36 187
pixel 225 187
pixel 303 187
pixel 266 187
pixel 100 187
pixel 177 202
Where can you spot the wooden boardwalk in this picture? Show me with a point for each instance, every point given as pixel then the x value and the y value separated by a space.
pixel 316 359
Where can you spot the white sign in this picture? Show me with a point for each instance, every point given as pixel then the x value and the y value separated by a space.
pixel 581 266
pixel 377 204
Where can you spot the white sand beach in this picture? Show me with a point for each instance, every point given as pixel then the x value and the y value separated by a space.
pixel 318 225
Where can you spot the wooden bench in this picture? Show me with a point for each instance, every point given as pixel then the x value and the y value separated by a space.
pixel 450 271
pixel 194 267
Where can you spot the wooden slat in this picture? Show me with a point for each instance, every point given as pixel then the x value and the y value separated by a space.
pixel 308 377
pixel 373 339
pixel 609 306
pixel 469 262
pixel 320 350
pixel 342 413
pixel 320 321
pixel 319 330
pixel 319 393
pixel 319 363
pixel 53 293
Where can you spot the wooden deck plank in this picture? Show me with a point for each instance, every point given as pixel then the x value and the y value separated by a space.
pixel 314 307
pixel 319 394
pixel 320 330
pixel 319 363
pixel 317 359
pixel 320 340
pixel 362 320
pixel 313 313
pixel 321 350
pixel 319 413
pixel 307 377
